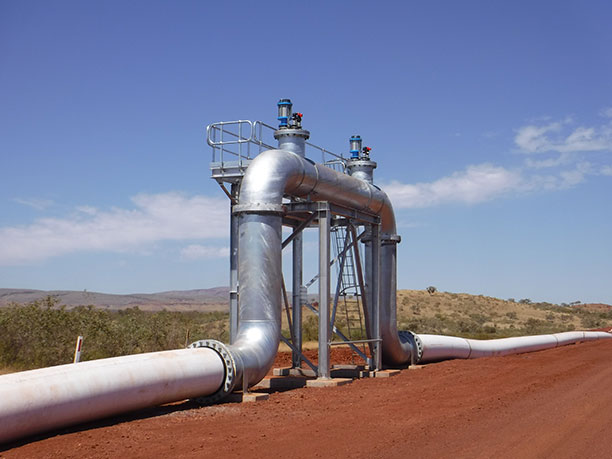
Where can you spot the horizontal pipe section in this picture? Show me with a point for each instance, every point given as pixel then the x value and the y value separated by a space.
pixel 49 398
pixel 434 348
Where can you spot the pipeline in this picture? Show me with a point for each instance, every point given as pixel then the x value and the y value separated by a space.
pixel 49 398
pixel 434 348
pixel 39 400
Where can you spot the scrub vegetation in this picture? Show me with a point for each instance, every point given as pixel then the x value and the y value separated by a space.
pixel 478 316
pixel 43 332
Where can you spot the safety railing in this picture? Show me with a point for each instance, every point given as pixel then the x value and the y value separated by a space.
pixel 235 142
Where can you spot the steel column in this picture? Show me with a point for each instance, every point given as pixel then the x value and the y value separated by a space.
pixel 375 289
pixel 233 267
pixel 324 286
pixel 296 303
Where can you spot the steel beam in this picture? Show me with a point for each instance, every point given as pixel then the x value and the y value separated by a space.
pixel 324 286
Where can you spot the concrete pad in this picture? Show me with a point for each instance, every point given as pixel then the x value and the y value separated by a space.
pixel 294 372
pixel 386 373
pixel 239 397
pixel 281 382
pixel 348 367
pixel 328 382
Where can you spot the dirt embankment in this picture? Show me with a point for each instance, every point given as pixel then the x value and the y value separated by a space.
pixel 550 403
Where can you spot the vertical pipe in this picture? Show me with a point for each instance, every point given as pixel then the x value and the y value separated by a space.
pixel 296 303
pixel 375 268
pixel 324 285
pixel 234 267
pixel 368 280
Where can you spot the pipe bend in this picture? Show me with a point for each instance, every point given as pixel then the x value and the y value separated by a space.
pixel 270 176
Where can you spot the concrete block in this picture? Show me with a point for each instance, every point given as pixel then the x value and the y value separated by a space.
pixel 386 373
pixel 321 382
pixel 239 397
pixel 281 382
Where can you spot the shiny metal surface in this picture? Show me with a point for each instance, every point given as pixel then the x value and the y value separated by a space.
pixel 49 398
pixel 270 176
pixel 437 347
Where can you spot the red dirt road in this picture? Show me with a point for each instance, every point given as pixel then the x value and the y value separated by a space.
pixel 550 403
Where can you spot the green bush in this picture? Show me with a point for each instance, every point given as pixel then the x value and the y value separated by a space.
pixel 43 334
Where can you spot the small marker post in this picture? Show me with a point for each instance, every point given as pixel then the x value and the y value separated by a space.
pixel 77 351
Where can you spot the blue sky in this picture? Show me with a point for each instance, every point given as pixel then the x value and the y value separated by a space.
pixel 491 123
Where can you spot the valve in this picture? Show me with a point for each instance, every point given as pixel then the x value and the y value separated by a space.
pixel 296 121
pixel 365 153
pixel 284 112
pixel 355 142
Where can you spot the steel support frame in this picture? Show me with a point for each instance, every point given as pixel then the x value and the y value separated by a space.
pixel 305 213
pixel 319 214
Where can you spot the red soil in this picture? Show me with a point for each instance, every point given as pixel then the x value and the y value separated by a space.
pixel 550 403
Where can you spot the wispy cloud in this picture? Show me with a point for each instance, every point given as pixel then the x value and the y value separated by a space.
pixel 35 203
pixel 606 170
pixel 560 137
pixel 154 218
pixel 198 252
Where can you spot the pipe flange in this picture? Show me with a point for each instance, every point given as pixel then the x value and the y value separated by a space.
pixel 415 342
pixel 229 380
pixel 390 239
pixel 258 208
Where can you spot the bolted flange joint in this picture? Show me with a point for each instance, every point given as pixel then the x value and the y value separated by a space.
pixel 416 344
pixel 229 381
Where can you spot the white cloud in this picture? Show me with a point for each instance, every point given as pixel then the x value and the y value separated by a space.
pixel 607 112
pixel 35 203
pixel 563 180
pixel 154 218
pixel 476 184
pixel 563 158
pixel 606 170
pixel 483 182
pixel 198 252
pixel 556 137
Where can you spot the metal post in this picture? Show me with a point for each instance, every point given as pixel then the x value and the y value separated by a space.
pixel 296 303
pixel 77 350
pixel 233 267
pixel 375 289
pixel 324 285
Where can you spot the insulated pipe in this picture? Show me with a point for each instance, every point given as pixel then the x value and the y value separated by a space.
pixel 49 398
pixel 271 175
pixel 433 348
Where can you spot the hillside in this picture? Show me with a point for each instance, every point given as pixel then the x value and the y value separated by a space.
pixel 481 316
pixel 459 314
pixel 212 299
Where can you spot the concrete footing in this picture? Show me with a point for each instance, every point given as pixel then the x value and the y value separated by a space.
pixel 331 382
pixel 239 397
pixel 386 373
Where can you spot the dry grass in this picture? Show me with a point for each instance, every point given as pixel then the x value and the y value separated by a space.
pixel 471 315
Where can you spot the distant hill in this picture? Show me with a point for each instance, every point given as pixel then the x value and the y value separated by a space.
pixel 477 315
pixel 211 299
pixel 595 307
pixel 441 312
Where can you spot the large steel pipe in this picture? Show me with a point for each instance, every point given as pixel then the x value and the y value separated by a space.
pixel 433 348
pixel 49 398
pixel 272 175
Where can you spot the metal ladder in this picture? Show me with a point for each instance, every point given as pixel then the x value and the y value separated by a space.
pixel 348 298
